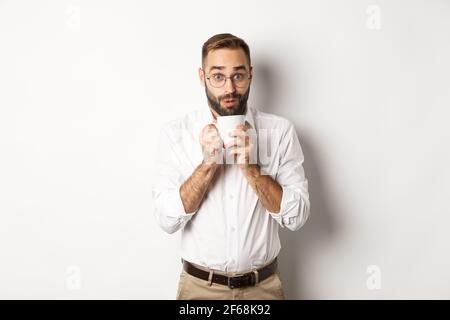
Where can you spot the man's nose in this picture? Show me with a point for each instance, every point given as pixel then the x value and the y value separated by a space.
pixel 229 86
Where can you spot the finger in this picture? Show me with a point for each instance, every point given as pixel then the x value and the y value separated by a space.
pixel 240 141
pixel 206 130
pixel 237 132
pixel 217 144
pixel 230 146
pixel 236 149
pixel 234 142
pixel 212 134
pixel 232 152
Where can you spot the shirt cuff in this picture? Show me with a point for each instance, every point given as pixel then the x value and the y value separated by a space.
pixel 288 207
pixel 173 206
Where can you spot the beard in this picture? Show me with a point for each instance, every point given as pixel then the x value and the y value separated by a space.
pixel 238 109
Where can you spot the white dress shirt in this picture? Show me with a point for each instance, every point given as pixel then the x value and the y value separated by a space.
pixel 231 231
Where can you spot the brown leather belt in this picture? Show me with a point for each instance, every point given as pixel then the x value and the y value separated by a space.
pixel 238 281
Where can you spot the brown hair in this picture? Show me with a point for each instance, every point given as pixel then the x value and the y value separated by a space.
pixel 225 40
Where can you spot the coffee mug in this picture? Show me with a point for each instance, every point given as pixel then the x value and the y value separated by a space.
pixel 226 124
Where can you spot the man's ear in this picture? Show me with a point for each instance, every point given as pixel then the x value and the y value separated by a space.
pixel 251 72
pixel 201 76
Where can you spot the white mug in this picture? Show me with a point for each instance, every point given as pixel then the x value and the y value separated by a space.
pixel 226 124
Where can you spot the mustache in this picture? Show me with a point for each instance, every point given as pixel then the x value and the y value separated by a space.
pixel 230 96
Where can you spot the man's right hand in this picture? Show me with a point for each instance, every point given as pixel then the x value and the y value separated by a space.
pixel 211 144
pixel 195 187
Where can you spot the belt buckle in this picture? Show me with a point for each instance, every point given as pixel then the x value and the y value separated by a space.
pixel 242 280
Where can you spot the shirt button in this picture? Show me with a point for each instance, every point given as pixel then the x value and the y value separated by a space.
pixel 231 196
pixel 232 229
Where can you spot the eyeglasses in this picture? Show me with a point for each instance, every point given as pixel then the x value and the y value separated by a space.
pixel 218 80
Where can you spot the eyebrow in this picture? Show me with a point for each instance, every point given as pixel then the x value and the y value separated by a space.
pixel 222 67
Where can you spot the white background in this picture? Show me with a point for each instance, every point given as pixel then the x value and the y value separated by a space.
pixel 86 85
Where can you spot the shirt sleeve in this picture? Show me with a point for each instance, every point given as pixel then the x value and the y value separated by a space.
pixel 295 205
pixel 169 209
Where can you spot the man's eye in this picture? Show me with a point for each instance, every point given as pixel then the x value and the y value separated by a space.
pixel 218 77
pixel 238 76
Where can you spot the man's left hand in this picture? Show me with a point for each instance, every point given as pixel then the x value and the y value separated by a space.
pixel 242 145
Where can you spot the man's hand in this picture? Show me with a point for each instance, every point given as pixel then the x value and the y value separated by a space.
pixel 211 144
pixel 243 145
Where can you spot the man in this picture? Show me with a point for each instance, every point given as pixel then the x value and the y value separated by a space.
pixel 229 213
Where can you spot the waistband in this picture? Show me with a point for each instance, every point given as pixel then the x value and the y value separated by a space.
pixel 237 281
